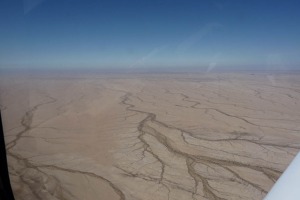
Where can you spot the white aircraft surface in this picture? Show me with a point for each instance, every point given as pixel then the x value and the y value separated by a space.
pixel 288 185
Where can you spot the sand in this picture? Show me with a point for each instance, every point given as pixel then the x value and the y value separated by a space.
pixel 149 136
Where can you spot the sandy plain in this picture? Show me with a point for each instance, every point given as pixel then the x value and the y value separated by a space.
pixel 149 136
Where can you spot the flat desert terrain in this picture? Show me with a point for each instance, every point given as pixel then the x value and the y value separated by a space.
pixel 149 136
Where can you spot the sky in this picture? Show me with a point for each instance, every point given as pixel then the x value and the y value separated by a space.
pixel 206 34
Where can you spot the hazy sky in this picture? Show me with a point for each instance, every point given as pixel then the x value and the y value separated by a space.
pixel 260 34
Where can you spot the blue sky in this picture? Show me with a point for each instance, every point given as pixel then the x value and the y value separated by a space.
pixel 252 34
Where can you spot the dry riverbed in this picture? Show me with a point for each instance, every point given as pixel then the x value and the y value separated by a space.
pixel 149 136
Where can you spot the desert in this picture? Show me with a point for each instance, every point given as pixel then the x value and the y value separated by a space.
pixel 162 136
